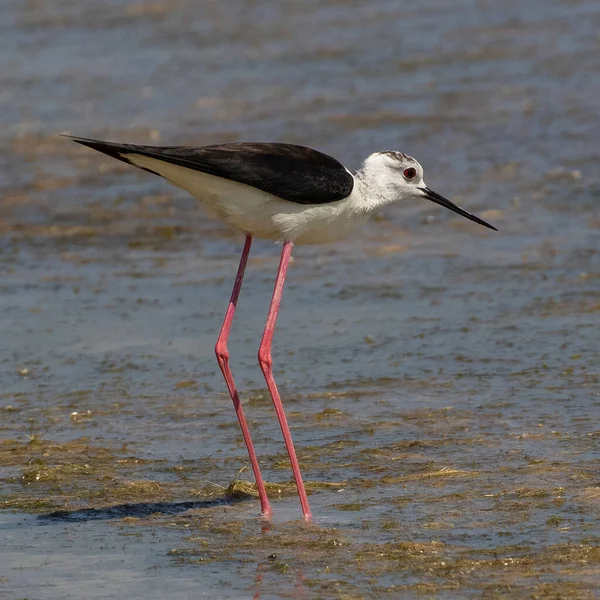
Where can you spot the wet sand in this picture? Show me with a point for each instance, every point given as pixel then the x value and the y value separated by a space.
pixel 441 381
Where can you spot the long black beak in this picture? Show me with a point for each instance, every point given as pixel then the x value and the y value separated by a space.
pixel 435 197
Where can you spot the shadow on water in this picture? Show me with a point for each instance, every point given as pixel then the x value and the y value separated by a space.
pixel 138 510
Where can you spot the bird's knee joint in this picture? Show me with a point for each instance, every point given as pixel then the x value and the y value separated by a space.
pixel 221 352
pixel 264 358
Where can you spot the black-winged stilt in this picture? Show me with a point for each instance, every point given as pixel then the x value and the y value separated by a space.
pixel 283 192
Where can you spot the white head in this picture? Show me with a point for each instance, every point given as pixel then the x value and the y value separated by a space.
pixel 392 176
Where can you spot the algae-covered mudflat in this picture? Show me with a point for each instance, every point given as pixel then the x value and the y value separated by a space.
pixel 441 381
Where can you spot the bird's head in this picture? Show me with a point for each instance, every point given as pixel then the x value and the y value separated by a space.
pixel 393 176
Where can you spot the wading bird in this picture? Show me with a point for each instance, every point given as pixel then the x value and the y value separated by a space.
pixel 287 193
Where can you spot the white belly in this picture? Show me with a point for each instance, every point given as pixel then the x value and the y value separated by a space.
pixel 259 213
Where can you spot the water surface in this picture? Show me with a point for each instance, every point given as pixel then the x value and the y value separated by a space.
pixel 441 380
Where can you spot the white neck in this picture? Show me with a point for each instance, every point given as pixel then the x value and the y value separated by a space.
pixel 376 184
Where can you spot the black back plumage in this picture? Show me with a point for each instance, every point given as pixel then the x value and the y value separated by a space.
pixel 295 173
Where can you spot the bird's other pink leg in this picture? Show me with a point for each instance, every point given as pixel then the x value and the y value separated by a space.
pixel 223 359
pixel 266 364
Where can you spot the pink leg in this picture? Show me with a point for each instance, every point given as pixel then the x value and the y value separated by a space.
pixel 223 360
pixel 266 364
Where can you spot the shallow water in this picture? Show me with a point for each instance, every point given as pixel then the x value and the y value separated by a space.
pixel 441 378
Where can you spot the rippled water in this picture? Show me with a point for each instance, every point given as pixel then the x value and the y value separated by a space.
pixel 442 378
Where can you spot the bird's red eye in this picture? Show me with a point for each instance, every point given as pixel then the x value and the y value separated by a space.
pixel 409 173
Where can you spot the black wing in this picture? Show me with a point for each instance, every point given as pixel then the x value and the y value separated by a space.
pixel 291 172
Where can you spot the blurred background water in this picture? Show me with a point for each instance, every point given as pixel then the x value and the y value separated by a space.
pixel 447 374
